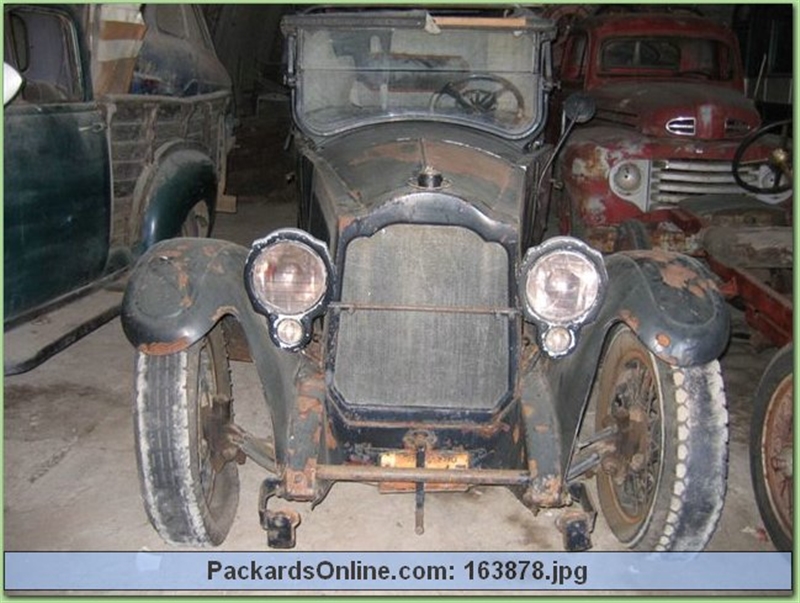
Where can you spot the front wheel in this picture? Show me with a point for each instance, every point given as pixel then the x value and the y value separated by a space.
pixel 662 479
pixel 772 449
pixel 183 404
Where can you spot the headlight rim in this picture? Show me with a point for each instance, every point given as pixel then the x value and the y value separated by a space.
pixel 551 246
pixel 641 166
pixel 274 315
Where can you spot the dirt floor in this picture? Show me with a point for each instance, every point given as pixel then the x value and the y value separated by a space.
pixel 70 474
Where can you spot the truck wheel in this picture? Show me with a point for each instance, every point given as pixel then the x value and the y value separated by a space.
pixel 661 483
pixel 197 222
pixel 772 449
pixel 183 404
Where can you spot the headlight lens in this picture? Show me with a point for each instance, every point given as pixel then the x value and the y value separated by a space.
pixel 627 178
pixel 288 277
pixel 562 287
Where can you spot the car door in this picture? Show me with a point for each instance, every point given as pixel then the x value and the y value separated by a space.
pixel 57 183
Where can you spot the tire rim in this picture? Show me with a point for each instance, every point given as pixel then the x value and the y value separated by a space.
pixel 777 437
pixel 213 416
pixel 628 481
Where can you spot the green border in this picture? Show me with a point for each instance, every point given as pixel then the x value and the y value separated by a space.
pixel 453 598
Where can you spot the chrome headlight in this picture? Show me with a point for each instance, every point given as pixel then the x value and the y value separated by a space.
pixel 288 279
pixel 629 179
pixel 562 287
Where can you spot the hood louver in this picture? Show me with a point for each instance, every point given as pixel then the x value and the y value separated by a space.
pixel 736 128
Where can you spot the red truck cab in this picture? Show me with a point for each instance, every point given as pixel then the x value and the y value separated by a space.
pixel 671 113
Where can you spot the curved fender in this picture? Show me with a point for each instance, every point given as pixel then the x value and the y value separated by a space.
pixel 669 300
pixel 183 176
pixel 180 289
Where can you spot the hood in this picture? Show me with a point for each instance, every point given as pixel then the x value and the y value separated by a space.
pixel 373 166
pixel 684 110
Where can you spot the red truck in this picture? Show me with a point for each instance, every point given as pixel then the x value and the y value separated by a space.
pixel 671 114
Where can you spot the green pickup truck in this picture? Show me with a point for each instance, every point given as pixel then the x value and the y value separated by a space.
pixel 117 138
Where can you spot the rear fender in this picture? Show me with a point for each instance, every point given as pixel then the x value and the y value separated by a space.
pixel 672 304
pixel 180 289
pixel 182 176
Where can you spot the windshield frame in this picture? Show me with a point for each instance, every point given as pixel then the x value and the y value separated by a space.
pixel 535 78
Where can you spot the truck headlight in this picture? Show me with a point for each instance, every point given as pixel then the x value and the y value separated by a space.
pixel 287 277
pixel 626 177
pixel 562 287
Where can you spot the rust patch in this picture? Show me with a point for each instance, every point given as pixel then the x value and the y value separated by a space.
pixel 681 276
pixel 330 441
pixel 533 468
pixel 163 349
pixel 307 405
pixel 546 491
pixel 629 319
pixel 542 428
pixel 300 484
pixel 515 434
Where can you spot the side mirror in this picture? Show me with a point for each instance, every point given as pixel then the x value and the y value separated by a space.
pixel 579 108
pixel 12 82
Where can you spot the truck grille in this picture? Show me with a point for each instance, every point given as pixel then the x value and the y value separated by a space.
pixel 674 180
pixel 424 320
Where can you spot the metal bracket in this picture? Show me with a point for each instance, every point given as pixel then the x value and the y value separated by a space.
pixel 578 525
pixel 281 525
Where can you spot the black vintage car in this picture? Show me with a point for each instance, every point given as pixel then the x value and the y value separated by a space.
pixel 416 330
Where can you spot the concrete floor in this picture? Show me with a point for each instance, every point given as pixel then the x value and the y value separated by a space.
pixel 70 473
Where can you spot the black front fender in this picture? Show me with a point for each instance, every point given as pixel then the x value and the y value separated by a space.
pixel 672 304
pixel 180 289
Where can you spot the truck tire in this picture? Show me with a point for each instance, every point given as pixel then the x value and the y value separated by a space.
pixel 772 448
pixel 661 484
pixel 182 405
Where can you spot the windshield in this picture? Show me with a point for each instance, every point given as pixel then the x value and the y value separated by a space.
pixel 448 70
pixel 666 56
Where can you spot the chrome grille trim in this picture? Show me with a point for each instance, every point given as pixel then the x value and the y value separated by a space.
pixel 682 126
pixel 674 180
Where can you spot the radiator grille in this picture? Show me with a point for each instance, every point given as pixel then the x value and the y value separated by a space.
pixel 672 180
pixel 424 320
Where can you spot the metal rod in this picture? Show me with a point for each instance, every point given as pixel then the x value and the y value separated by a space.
pixel 368 473
pixel 583 466
pixel 419 512
pixel 351 307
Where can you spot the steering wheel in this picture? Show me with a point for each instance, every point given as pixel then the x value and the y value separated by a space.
pixel 478 93
pixel 778 163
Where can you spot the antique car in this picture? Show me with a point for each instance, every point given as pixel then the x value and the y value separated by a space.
pixel 671 114
pixel 94 171
pixel 414 331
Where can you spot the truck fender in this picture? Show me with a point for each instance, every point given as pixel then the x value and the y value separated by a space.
pixel 180 289
pixel 182 175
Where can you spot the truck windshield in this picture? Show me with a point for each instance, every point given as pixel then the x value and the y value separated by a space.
pixel 488 78
pixel 666 56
